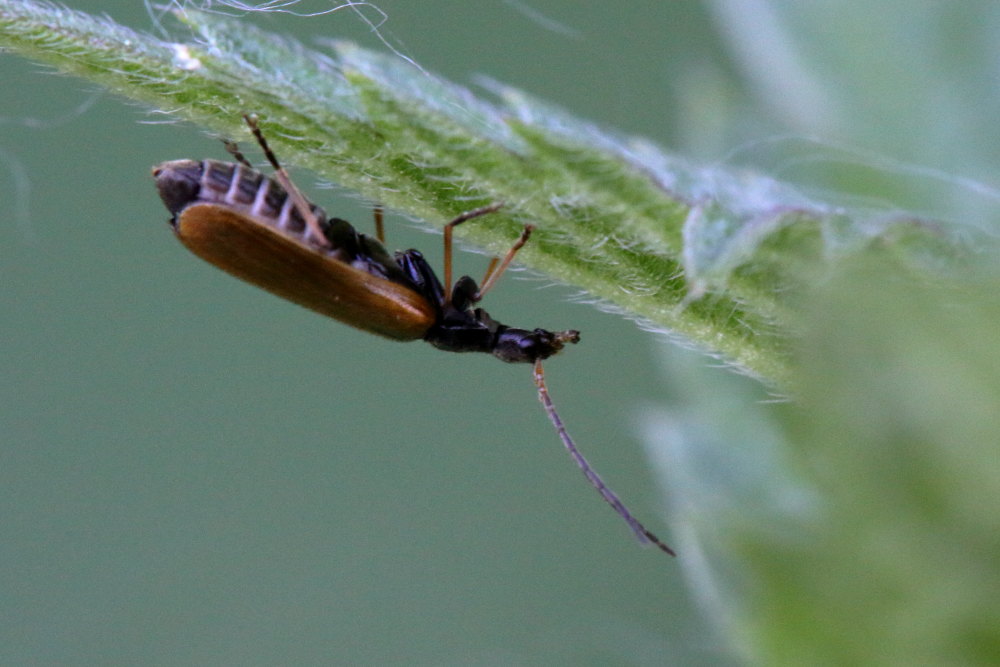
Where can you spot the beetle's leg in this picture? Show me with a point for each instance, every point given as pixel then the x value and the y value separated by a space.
pixel 379 225
pixel 233 149
pixel 301 203
pixel 468 215
pixel 493 272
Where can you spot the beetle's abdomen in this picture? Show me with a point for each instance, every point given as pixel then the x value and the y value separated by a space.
pixel 182 183
pixel 247 192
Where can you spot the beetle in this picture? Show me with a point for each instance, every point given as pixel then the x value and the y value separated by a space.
pixel 264 231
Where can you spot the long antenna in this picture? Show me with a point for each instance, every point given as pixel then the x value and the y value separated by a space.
pixel 644 535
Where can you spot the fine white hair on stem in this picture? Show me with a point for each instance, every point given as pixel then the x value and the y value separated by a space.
pixel 278 6
pixel 793 151
pixel 20 203
pixel 288 7
pixel 542 20
pixel 39 123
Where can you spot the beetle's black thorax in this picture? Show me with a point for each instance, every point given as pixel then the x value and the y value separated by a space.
pixel 461 327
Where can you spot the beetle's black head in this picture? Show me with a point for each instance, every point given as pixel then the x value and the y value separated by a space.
pixel 521 345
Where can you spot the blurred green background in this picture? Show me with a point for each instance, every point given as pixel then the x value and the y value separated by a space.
pixel 194 472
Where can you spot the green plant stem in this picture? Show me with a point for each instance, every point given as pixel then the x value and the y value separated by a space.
pixel 699 253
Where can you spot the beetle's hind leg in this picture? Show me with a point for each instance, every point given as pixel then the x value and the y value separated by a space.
pixel 233 149
pixel 379 212
pixel 301 203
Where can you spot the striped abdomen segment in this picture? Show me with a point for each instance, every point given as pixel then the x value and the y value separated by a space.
pixel 247 192
pixel 185 182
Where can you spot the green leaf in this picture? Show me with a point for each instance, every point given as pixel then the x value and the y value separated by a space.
pixel 858 525
pixel 897 430
pixel 710 255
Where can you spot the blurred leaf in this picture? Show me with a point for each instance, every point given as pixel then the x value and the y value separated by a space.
pixel 865 529
pixel 897 429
